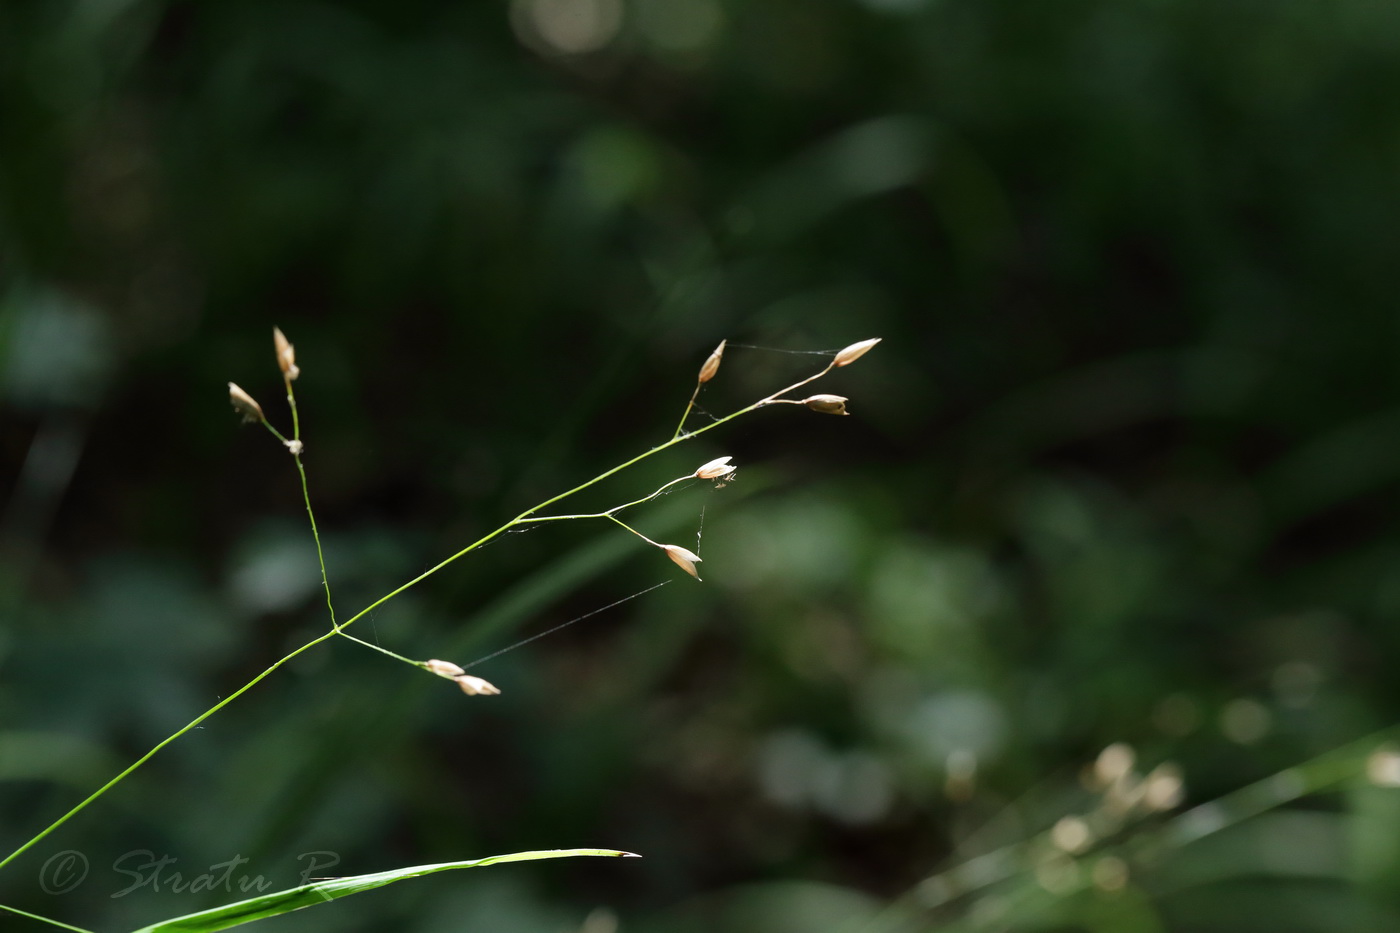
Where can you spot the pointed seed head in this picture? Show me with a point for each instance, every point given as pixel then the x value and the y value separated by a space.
pixel 715 469
pixel 854 352
pixel 475 686
pixel 443 668
pixel 286 354
pixel 244 404
pixel 686 560
pixel 827 404
pixel 707 372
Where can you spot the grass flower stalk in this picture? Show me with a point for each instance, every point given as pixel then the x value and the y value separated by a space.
pixel 246 406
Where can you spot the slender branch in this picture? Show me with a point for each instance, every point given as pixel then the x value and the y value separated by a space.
pixel 777 396
pixel 48 920
pixel 151 754
pixel 275 433
pixel 337 629
pixel 370 644
pixel 686 414
pixel 525 516
pixel 292 404
pixel 320 555
pixel 519 519
pixel 616 508
pixel 633 530
pixel 295 448
pixel 528 513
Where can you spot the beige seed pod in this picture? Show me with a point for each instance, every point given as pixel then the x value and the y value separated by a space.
pixel 1164 788
pixel 475 686
pixel 1114 763
pixel 286 354
pixel 443 668
pixel 686 560
pixel 1383 767
pixel 1071 834
pixel 854 352
pixel 827 404
pixel 244 404
pixel 715 469
pixel 707 372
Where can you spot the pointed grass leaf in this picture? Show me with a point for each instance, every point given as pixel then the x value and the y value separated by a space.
pixel 321 892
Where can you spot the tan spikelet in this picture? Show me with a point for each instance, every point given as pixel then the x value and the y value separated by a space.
pixel 686 560
pixel 715 469
pixel 286 354
pixel 244 404
pixel 707 371
pixel 443 668
pixel 827 404
pixel 475 686
pixel 854 352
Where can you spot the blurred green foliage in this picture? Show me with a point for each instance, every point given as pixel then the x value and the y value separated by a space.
pixel 1123 470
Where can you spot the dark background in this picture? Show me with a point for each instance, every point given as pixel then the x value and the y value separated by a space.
pixel 1122 471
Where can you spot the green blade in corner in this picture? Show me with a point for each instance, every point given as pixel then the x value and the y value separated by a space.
pixel 321 892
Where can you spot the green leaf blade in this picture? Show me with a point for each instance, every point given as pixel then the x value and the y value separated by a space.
pixel 323 892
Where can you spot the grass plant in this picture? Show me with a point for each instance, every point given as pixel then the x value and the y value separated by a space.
pixel 274 903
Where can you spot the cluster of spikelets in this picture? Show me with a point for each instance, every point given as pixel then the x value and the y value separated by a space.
pixel 245 404
pixel 1123 795
pixel 719 469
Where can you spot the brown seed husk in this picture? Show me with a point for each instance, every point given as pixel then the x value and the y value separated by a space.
pixel 443 668
pixel 286 354
pixel 244 404
pixel 715 469
pixel 854 352
pixel 707 372
pixel 827 404
pixel 475 686
pixel 684 559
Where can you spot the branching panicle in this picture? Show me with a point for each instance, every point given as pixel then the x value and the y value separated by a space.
pixel 719 469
